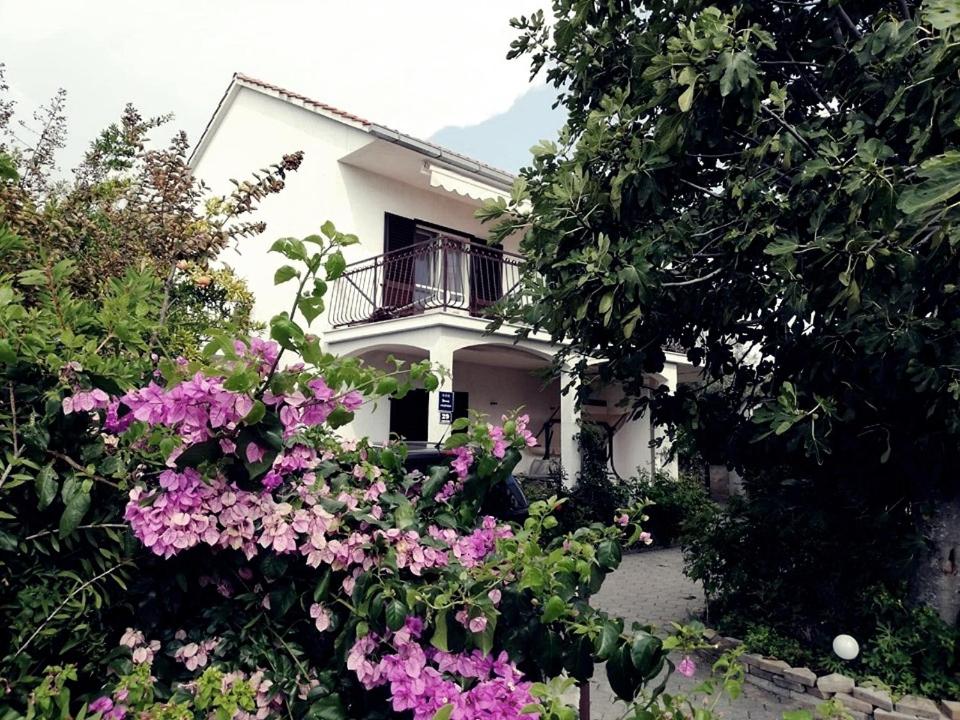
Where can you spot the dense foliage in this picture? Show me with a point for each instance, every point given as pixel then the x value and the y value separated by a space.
pixel 130 206
pixel 102 275
pixel 670 502
pixel 772 187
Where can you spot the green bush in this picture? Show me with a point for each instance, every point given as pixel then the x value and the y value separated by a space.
pixel 676 503
pixel 598 494
pixel 752 555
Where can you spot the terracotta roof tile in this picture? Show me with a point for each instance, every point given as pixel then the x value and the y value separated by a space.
pixel 368 125
pixel 301 98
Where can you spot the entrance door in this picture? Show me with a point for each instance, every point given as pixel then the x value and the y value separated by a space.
pixel 408 416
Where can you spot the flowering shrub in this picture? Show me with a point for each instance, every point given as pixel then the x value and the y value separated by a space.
pixel 284 570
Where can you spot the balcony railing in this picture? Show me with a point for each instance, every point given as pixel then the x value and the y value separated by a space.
pixel 442 273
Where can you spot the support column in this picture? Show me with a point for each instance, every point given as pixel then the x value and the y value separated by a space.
pixel 631 447
pixel 569 428
pixel 669 467
pixel 441 353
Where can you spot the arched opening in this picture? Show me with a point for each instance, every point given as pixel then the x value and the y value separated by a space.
pixel 405 417
pixel 497 379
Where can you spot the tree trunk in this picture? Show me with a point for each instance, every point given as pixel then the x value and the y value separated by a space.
pixel 937 582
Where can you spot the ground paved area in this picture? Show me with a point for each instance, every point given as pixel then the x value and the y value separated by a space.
pixel 650 587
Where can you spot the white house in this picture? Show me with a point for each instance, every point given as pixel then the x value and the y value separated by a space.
pixel 421 277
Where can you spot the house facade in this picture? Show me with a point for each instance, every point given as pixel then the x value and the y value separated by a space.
pixel 420 280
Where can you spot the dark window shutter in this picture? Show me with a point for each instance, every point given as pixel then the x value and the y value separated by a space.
pixel 486 277
pixel 398 232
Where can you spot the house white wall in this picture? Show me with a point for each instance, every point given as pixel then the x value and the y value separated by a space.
pixel 255 130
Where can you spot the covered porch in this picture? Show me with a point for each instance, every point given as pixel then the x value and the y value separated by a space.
pixel 489 379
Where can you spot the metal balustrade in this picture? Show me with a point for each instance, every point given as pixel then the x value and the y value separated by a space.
pixel 442 273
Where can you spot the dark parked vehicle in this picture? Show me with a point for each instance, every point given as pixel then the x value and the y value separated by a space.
pixel 505 500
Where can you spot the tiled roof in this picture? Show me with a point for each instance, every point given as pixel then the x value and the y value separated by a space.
pixel 300 99
pixel 289 94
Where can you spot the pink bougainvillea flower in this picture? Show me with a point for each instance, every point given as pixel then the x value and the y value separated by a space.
pixel 254 453
pixel 687 667
pixel 478 624
pixel 321 616
pixel 101 705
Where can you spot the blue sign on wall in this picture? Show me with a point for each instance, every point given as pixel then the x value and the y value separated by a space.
pixel 446 401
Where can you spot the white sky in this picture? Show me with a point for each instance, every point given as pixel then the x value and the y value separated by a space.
pixel 416 65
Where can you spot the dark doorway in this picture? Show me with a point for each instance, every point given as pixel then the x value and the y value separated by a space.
pixel 408 416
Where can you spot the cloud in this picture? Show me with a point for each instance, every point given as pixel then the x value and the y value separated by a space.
pixel 418 66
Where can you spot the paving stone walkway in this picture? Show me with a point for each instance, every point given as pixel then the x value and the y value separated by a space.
pixel 650 587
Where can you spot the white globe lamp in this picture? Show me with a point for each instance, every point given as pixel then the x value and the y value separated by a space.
pixel 846 647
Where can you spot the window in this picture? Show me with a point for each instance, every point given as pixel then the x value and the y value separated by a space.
pixel 428 266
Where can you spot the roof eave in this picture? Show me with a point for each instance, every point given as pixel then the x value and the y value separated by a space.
pixel 498 178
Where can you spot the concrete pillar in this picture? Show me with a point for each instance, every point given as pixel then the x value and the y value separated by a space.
pixel 663 450
pixel 569 428
pixel 441 353
pixel 631 447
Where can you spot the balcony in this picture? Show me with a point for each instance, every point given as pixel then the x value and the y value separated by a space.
pixel 443 273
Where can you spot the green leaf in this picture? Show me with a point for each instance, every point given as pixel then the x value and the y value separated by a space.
pixel 685 101
pixel 322 589
pixel 606 302
pixel 609 554
pixel 46 486
pixel 436 479
pixel 256 413
pixel 608 640
pixel 444 713
pixel 311 307
pixel 329 229
pixel 72 515
pixel 286 332
pixel 328 708
pixel 486 637
pixel 623 679
pixel 404 516
pixel 291 248
pixel 941 181
pixel 7 354
pixel 339 417
pixel 942 14
pixel 783 246
pixel 739 70
pixel 645 652
pixel 335 265
pixel 439 639
pixel 396 614
pixel 387 386
pixel 554 608
pixel 284 273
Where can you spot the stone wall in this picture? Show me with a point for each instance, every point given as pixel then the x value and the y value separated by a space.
pixel 803 688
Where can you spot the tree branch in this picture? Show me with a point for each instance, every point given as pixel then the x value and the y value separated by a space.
pixel 80 468
pixel 849 23
pixel 60 607
pixel 789 128
pixel 694 281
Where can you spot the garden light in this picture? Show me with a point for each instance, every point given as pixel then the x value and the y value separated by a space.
pixel 846 647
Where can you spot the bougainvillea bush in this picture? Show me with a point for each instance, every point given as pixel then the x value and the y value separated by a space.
pixel 274 568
